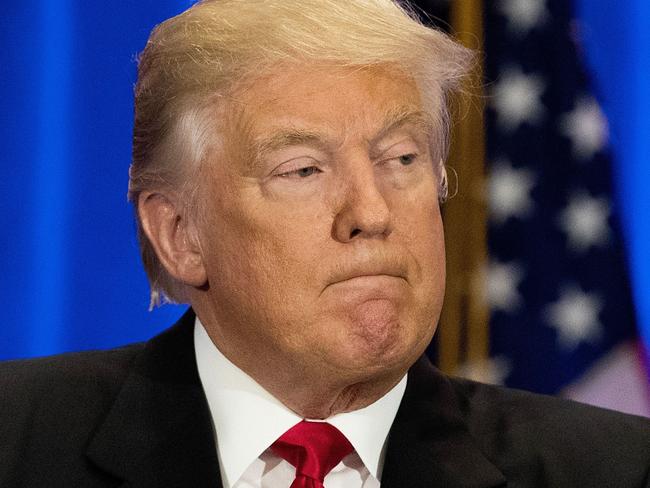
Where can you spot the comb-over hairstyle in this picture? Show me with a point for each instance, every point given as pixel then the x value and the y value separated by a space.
pixel 194 60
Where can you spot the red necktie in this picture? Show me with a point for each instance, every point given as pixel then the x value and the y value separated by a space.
pixel 314 448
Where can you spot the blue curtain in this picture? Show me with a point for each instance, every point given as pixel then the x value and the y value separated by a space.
pixel 618 48
pixel 70 275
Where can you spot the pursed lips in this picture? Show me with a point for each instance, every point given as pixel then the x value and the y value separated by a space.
pixel 370 277
pixel 385 267
pixel 356 289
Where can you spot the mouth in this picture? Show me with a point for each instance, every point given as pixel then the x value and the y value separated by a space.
pixel 378 284
pixel 370 277
pixel 369 272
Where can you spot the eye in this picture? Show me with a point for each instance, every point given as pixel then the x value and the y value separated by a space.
pixel 407 159
pixel 305 172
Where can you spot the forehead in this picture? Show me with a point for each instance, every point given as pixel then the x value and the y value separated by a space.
pixel 340 103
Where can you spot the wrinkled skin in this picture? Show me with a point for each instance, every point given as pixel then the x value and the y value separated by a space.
pixel 321 237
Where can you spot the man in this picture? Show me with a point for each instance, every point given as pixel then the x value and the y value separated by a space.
pixel 287 173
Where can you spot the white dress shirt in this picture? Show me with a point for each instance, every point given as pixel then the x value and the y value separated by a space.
pixel 247 420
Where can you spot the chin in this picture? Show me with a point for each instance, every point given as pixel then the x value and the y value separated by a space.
pixel 386 348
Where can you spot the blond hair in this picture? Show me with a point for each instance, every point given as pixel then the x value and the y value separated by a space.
pixel 192 60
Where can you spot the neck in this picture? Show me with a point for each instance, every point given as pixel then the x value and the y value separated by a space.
pixel 315 394
pixel 318 393
pixel 321 402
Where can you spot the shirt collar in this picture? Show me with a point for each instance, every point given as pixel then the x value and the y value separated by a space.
pixel 248 419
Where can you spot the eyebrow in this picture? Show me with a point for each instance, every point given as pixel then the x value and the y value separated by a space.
pixel 292 136
pixel 401 116
pixel 286 138
pixel 283 138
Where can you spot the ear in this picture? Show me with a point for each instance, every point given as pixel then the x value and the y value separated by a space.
pixel 172 237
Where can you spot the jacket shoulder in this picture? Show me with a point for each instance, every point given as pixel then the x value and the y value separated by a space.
pixel 74 374
pixel 544 437
pixel 50 405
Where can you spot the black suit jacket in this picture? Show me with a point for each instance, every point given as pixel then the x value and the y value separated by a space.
pixel 137 417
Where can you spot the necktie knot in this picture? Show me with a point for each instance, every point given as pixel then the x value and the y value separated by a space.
pixel 314 448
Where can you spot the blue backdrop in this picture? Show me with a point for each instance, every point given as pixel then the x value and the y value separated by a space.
pixel 617 42
pixel 71 276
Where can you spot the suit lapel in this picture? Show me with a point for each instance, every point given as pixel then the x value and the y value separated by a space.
pixel 159 430
pixel 429 444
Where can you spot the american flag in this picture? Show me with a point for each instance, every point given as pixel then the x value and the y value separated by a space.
pixel 557 282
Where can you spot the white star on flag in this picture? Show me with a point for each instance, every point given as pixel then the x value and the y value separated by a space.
pixel 523 15
pixel 493 370
pixel 584 221
pixel 503 280
pixel 509 191
pixel 517 98
pixel 575 317
pixel 586 127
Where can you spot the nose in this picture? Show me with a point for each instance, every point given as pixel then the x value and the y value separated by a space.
pixel 363 212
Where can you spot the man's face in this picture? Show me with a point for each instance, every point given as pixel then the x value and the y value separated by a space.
pixel 321 236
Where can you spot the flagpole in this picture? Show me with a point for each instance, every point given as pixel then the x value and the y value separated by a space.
pixel 464 334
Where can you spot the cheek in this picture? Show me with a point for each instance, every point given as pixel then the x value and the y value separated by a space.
pixel 432 240
pixel 260 248
pixel 417 216
pixel 427 247
pixel 425 242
